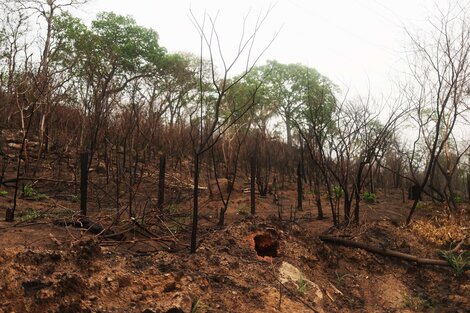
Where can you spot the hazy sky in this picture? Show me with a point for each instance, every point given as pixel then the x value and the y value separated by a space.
pixel 355 43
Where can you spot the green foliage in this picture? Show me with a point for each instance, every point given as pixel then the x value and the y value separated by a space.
pixel 458 200
pixel 369 197
pixel 417 303
pixel 301 285
pixel 419 205
pixel 28 191
pixel 133 47
pixel 31 194
pixel 41 196
pixel 299 94
pixel 3 193
pixel 114 49
pixel 31 215
pixel 458 262
pixel 338 192
pixel 251 95
pixel 178 79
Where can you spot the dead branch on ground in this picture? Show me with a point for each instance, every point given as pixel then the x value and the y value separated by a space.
pixel 385 252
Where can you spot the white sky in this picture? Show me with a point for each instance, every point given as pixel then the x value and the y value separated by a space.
pixel 357 44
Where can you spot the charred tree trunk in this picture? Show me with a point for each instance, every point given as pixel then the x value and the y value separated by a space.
pixel 161 183
pixel 252 185
pixel 83 183
pixel 195 203
pixel 347 206
pixel 299 186
pixel 10 212
pixel 371 177
pixel 468 185
pixel 318 198
pixel 357 208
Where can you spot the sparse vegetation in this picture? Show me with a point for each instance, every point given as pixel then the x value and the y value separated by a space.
pixel 417 303
pixel 419 205
pixel 30 215
pixel 243 210
pixel 340 278
pixel 369 197
pixel 458 199
pixel 173 209
pixel 458 262
pixel 439 231
pixel 169 178
pixel 28 191
pixel 31 194
pixel 62 213
pixel 338 192
pixel 75 198
pixel 197 307
pixel 302 285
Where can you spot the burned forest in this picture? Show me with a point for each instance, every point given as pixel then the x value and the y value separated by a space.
pixel 135 179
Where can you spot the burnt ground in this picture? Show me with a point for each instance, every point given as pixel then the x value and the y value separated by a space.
pixel 253 264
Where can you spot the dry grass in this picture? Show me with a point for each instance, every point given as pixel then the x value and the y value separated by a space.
pixel 439 231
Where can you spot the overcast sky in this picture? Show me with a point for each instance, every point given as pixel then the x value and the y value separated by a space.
pixel 355 43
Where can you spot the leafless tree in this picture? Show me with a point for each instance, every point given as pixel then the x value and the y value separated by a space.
pixel 208 125
pixel 440 73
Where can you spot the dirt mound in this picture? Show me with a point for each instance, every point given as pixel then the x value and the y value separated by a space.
pixel 226 274
pixel 255 264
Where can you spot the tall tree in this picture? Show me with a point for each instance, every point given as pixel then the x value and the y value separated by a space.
pixel 439 90
pixel 104 59
pixel 208 123
pixel 291 87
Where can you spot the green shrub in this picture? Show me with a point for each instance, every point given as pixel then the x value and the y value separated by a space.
pixel 40 196
pixel 369 197
pixel 458 199
pixel 30 215
pixel 30 193
pixel 458 262
pixel 3 193
pixel 419 205
pixel 338 191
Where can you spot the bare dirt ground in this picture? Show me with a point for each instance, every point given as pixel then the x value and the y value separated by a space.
pixel 48 264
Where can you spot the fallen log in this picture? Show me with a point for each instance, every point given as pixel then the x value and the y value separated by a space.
pixel 90 226
pixel 384 251
pixel 460 245
pixel 13 180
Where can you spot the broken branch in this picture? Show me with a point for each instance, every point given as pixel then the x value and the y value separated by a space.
pixel 385 252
